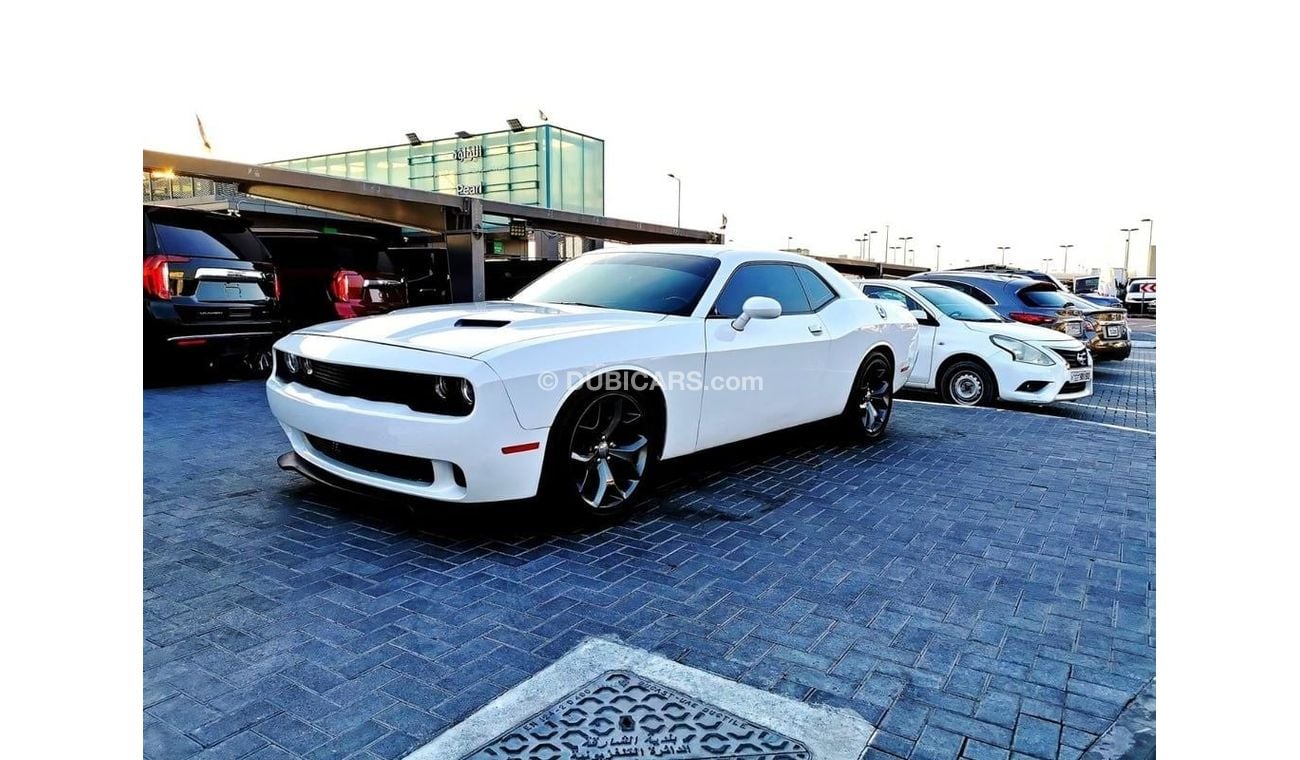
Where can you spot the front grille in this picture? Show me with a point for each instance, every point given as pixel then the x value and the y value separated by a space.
pixel 1076 358
pixel 1073 387
pixel 393 465
pixel 415 390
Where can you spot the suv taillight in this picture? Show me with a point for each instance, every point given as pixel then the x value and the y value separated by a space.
pixel 157 277
pixel 1032 319
pixel 347 285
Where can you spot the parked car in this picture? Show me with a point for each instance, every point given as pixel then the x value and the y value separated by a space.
pixel 1105 329
pixel 1023 299
pixel 1088 288
pixel 582 383
pixel 210 291
pixel 1140 295
pixel 329 276
pixel 972 355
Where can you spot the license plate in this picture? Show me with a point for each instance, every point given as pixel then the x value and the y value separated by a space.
pixel 1074 329
pixel 1080 375
pixel 1112 331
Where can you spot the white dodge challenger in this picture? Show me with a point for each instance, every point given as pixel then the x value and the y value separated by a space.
pixel 578 386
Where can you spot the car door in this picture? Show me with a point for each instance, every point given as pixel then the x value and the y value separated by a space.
pixel 761 378
pixel 926 333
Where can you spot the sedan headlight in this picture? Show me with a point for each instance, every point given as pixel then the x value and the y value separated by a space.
pixel 1021 351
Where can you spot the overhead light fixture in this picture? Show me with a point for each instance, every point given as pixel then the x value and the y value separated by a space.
pixel 515 125
pixel 413 138
pixel 518 229
pixel 463 134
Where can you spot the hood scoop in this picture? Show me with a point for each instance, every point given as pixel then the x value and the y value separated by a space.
pixel 471 322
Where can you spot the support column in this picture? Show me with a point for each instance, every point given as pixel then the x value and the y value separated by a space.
pixel 466 250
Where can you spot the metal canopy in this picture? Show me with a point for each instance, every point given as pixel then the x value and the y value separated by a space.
pixel 420 209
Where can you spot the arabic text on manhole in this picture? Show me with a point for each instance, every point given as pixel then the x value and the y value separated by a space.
pixel 623 715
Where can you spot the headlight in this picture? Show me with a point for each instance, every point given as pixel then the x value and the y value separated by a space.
pixel 455 394
pixel 1021 351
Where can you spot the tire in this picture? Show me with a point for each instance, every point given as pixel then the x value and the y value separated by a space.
pixel 871 399
pixel 609 435
pixel 968 383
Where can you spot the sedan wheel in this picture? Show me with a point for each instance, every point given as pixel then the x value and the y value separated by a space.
pixel 609 450
pixel 968 384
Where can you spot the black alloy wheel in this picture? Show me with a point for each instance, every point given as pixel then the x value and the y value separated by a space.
pixel 608 446
pixel 872 399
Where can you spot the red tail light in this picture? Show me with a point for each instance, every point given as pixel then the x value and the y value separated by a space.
pixel 157 276
pixel 275 277
pixel 347 285
pixel 1032 319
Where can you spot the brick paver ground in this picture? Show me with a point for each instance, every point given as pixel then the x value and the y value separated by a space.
pixel 979 585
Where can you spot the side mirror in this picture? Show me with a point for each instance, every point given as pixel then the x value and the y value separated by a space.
pixel 756 307
pixel 920 315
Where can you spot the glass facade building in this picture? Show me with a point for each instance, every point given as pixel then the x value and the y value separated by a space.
pixel 542 166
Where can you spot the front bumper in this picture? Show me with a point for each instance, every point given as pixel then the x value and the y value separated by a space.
pixel 465 453
pixel 1035 384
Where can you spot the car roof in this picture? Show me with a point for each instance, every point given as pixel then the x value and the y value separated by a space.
pixel 978 276
pixel 723 253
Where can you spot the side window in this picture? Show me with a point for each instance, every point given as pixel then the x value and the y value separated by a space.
pixel 877 291
pixel 777 281
pixel 969 290
pixel 819 293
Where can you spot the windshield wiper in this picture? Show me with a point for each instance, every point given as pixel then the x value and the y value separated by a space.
pixel 579 303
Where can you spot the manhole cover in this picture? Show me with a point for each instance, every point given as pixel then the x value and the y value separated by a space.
pixel 623 715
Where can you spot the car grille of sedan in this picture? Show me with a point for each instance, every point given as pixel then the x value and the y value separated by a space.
pixel 1077 358
pixel 382 463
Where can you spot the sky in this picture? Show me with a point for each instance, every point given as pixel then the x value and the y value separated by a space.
pixel 966 125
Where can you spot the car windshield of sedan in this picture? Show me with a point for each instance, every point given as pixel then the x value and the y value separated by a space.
pixel 957 305
pixel 660 283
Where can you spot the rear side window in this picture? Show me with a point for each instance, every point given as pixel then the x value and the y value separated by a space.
pixel 819 293
pixel 969 290
pixel 777 281
pixel 1044 296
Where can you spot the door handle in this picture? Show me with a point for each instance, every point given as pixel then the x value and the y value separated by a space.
pixel 815 329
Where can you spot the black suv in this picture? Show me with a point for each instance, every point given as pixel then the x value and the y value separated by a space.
pixel 210 292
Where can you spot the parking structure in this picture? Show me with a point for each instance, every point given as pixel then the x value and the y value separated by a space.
pixel 980 584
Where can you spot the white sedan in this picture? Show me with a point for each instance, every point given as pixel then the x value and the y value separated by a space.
pixel 578 386
pixel 970 355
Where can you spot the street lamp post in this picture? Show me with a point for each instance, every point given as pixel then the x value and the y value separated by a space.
pixel 862 250
pixel 789 244
pixel 679 197
pixel 1151 229
pixel 869 234
pixel 892 248
pixel 1065 265
pixel 1128 235
pixel 937 246
pixel 905 240
pixel 1047 263
pixel 1004 249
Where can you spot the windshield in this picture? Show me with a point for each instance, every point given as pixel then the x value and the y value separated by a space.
pixel 660 283
pixel 957 305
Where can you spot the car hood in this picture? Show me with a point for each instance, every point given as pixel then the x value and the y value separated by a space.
pixel 1022 331
pixel 470 329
